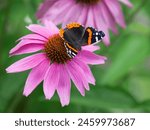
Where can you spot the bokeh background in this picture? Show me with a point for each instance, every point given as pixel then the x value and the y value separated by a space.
pixel 122 84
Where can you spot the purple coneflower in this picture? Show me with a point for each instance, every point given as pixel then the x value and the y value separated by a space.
pixel 101 14
pixel 52 65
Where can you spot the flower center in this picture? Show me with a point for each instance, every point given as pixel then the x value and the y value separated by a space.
pixel 88 1
pixel 55 49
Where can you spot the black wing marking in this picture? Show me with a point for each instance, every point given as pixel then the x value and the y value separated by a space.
pixel 84 40
pixel 92 36
pixel 74 35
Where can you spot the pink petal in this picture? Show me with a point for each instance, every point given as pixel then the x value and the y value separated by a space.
pixel 33 37
pixel 43 31
pixel 101 25
pixel 51 80
pixel 79 76
pixel 83 16
pixel 51 26
pixel 90 17
pixel 56 12
pixel 26 63
pixel 116 11
pixel 86 69
pixel 64 86
pixel 71 18
pixel 127 2
pixel 29 48
pixel 35 77
pixel 91 58
pixel 91 48
pixel 44 7
pixel 107 16
pixel 74 76
pixel 24 43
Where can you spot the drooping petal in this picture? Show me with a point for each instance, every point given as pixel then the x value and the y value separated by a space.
pixel 59 13
pixel 26 63
pixel 24 43
pixel 91 48
pixel 86 69
pixel 51 26
pixel 78 77
pixel 109 19
pixel 56 12
pixel 83 16
pixel 41 30
pixel 80 74
pixel 35 77
pixel 90 17
pixel 51 80
pixel 29 48
pixel 33 37
pixel 91 58
pixel 116 11
pixel 68 18
pixel 64 86
pixel 77 81
pixel 44 7
pixel 101 25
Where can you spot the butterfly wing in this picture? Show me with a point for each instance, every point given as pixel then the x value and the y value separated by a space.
pixel 75 36
pixel 72 34
pixel 92 36
pixel 70 50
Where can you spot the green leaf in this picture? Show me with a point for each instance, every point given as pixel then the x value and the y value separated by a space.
pixel 10 86
pixel 139 87
pixel 143 106
pixel 99 99
pixel 106 98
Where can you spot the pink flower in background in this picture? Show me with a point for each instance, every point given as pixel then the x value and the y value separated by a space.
pixel 101 14
pixel 52 65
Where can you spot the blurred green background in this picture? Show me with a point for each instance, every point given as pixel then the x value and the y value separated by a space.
pixel 122 84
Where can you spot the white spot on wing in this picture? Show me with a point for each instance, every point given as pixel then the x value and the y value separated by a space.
pixel 96 38
pixel 73 54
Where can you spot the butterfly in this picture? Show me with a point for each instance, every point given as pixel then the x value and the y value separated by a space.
pixel 75 36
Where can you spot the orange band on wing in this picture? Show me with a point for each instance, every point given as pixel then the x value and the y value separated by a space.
pixel 70 47
pixel 72 25
pixel 90 36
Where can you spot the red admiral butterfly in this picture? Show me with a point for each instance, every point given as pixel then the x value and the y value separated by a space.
pixel 76 36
